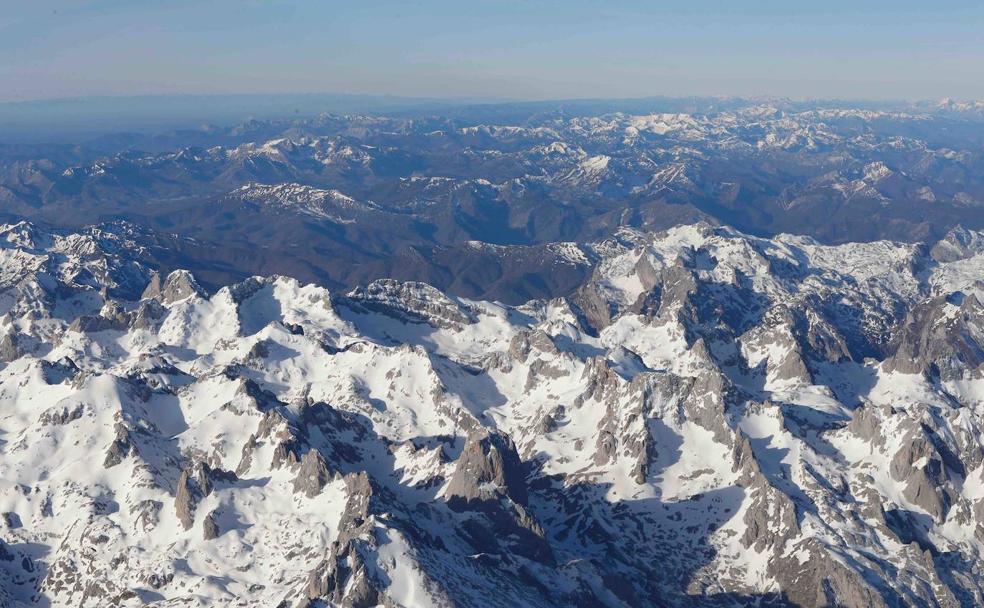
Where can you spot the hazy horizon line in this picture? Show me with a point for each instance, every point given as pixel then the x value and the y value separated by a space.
pixel 484 99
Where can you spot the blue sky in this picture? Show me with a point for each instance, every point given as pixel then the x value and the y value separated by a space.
pixel 527 49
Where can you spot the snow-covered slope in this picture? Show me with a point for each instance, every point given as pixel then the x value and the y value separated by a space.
pixel 712 419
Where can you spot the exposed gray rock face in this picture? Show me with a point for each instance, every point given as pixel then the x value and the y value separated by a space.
pixel 9 348
pixel 178 285
pixel 312 475
pixel 195 483
pixel 596 310
pixel 865 425
pixel 920 467
pixel 210 528
pixel 942 337
pixel 417 302
pixel 148 514
pixel 121 447
pixel 821 580
pixel 185 500
pixel 153 288
pixel 148 314
pixel 958 244
pixel 62 416
pixel 489 478
pixel 244 290
pixel 97 323
pixel 488 468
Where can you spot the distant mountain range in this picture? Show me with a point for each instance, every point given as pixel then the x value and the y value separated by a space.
pixel 342 200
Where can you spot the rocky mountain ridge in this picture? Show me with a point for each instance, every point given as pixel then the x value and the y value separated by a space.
pixel 710 418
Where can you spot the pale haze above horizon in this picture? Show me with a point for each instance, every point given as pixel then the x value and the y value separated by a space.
pixel 505 49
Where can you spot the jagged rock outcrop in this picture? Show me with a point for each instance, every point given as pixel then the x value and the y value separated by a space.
pixel 312 474
pixel 958 244
pixel 942 337
pixel 194 484
pixel 177 286
pixel 343 577
pixel 9 348
pixel 919 466
pixel 210 527
pixel 487 469
pixel 412 301
pixel 121 447
pixel 489 478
